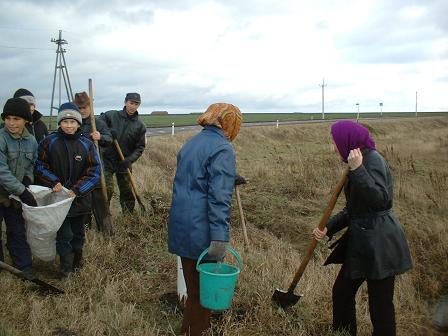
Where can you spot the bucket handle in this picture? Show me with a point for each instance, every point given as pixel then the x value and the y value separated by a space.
pixel 230 249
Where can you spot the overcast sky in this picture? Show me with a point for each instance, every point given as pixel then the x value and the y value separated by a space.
pixel 262 55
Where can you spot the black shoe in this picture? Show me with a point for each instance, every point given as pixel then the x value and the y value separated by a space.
pixel 66 265
pixel 77 261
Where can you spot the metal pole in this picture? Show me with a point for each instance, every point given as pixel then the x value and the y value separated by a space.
pixel 68 78
pixel 60 82
pixel 357 115
pixel 69 98
pixel 323 85
pixel 52 92
pixel 172 129
pixel 416 99
pixel 61 66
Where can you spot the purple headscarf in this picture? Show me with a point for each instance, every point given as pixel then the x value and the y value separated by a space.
pixel 349 135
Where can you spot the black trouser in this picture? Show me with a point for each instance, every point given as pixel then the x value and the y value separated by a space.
pixel 127 199
pixel 70 237
pixel 381 306
pixel 101 212
pixel 18 247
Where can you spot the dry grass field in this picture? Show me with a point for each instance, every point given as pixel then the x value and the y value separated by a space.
pixel 126 286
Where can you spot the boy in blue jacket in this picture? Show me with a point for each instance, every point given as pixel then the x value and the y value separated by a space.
pixel 18 151
pixel 67 159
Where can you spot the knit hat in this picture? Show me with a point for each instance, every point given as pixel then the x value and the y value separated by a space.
pixel 82 99
pixel 134 96
pixel 228 117
pixel 17 107
pixel 25 94
pixel 69 111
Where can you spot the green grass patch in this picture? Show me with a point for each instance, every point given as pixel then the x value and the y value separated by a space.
pixel 190 119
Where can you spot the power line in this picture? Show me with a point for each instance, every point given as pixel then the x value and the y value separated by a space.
pixel 27 48
pixel 25 29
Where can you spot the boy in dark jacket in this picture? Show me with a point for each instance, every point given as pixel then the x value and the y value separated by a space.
pixel 102 134
pixel 130 133
pixel 36 127
pixel 18 151
pixel 68 159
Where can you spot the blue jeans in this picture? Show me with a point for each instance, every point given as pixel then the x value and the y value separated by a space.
pixel 18 247
pixel 70 237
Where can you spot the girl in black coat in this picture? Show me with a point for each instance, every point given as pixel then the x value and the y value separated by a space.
pixel 374 248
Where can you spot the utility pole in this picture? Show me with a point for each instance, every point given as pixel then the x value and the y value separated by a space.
pixel 323 85
pixel 357 115
pixel 416 93
pixel 60 68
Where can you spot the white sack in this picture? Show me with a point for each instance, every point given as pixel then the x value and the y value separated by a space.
pixel 43 222
pixel 181 286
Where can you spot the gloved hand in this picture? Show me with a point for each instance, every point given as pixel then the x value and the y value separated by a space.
pixel 27 181
pixel 124 164
pixel 28 198
pixel 114 133
pixel 217 249
pixel 240 179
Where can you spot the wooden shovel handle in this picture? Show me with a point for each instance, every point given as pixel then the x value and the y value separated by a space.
pixel 97 146
pixel 243 221
pixel 131 178
pixel 321 226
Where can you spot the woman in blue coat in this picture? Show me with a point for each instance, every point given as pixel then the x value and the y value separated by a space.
pixel 202 196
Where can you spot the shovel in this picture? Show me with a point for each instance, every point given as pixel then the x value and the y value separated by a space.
pixel 45 286
pixel 131 177
pixel 289 299
pixel 107 226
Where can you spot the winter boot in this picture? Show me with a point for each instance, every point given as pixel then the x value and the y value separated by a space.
pixel 77 261
pixel 66 265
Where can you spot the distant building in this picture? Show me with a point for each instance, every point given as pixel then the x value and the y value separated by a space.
pixel 159 112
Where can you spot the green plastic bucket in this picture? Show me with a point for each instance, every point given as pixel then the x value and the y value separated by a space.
pixel 217 282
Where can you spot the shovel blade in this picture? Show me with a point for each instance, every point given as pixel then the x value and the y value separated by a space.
pixel 285 299
pixel 47 287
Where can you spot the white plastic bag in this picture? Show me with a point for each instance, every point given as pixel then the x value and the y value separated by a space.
pixel 181 286
pixel 43 222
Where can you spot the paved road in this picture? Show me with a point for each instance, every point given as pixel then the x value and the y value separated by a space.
pixel 167 130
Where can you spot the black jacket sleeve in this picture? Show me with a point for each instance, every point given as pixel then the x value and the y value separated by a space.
pixel 372 181
pixel 140 145
pixel 337 222
pixel 106 136
pixel 105 116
